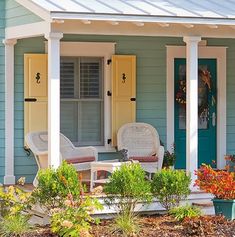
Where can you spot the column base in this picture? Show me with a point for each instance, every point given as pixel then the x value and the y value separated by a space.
pixel 9 179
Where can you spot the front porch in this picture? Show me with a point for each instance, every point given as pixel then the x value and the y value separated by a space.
pixel 156 45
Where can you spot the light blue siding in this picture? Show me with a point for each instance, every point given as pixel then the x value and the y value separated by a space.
pixel 151 87
pixel 230 43
pixel 2 91
pixel 24 165
pixel 18 15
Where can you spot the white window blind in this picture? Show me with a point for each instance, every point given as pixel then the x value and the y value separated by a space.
pixel 82 100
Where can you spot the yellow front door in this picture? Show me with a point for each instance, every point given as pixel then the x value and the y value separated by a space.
pixel 123 92
pixel 35 92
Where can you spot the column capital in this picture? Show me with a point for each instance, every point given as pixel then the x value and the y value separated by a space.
pixel 54 35
pixel 9 42
pixel 191 39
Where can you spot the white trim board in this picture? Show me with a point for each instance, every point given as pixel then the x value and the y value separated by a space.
pixel 95 49
pixel 27 30
pixel 147 29
pixel 218 53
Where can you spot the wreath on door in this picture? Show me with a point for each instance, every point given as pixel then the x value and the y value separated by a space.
pixel 203 107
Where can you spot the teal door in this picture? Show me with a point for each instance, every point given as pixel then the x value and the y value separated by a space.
pixel 206 112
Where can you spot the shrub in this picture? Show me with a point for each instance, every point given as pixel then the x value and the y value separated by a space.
pixel 14 225
pixel 60 192
pixel 74 218
pixel 180 213
pixel 54 185
pixel 170 187
pixel 13 201
pixel 130 185
pixel 219 183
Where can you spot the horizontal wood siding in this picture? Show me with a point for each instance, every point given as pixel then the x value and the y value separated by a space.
pixel 24 165
pixel 2 91
pixel 230 43
pixel 151 87
pixel 151 74
pixel 18 15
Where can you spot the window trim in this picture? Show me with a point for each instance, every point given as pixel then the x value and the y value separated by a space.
pixel 76 95
pixel 96 49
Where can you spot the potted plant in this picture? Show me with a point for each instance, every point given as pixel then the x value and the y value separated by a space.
pixel 221 184
pixel 169 159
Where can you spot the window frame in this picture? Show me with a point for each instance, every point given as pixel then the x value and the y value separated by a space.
pixel 76 97
pixel 95 49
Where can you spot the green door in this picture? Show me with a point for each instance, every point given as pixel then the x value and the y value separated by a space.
pixel 206 112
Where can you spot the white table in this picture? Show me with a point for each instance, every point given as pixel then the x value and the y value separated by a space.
pixel 108 165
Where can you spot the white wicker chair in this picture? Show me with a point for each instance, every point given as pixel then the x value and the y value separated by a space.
pixel 80 157
pixel 143 144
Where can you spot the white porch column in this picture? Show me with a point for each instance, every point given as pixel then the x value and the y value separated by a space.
pixel 54 98
pixel 192 106
pixel 9 177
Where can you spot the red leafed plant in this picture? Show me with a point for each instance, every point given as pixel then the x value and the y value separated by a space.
pixel 220 183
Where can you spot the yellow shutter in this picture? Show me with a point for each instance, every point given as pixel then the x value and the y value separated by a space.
pixel 123 92
pixel 35 92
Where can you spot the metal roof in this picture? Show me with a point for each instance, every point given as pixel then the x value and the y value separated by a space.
pixel 214 9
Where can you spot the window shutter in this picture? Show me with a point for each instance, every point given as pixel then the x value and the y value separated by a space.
pixel 67 74
pixel 123 92
pixel 35 92
pixel 90 78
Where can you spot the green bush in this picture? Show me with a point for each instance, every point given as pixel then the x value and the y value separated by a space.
pixel 13 201
pixel 74 218
pixel 126 187
pixel 170 187
pixel 180 213
pixel 60 193
pixel 54 185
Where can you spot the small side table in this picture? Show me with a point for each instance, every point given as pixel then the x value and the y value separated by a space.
pixel 108 165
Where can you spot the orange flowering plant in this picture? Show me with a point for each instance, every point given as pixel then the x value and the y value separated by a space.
pixel 219 183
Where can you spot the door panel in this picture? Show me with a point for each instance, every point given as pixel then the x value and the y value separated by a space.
pixel 123 92
pixel 206 111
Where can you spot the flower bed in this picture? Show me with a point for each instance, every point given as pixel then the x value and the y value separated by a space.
pixel 163 225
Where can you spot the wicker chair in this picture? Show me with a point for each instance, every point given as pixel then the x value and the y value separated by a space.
pixel 80 157
pixel 143 144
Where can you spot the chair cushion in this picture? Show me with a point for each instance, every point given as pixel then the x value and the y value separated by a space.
pixel 76 160
pixel 144 158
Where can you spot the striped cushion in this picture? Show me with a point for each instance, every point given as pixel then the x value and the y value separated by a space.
pixel 76 160
pixel 145 158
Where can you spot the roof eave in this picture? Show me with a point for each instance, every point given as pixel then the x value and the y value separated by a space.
pixel 141 18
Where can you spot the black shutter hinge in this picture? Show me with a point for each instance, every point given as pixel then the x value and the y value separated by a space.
pixel 109 61
pixel 109 141
pixel 109 93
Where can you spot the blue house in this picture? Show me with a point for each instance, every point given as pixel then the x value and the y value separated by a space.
pixel 58 61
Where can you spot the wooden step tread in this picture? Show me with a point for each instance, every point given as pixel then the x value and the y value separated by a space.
pixel 203 204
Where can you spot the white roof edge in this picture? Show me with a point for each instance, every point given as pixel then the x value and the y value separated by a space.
pixel 36 9
pixel 141 18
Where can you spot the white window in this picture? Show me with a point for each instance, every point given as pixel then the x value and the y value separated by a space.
pixel 82 100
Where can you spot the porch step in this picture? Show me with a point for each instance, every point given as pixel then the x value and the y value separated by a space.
pixel 207 207
pixel 203 204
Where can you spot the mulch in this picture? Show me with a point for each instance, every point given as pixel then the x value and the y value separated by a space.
pixel 163 226
pixel 166 226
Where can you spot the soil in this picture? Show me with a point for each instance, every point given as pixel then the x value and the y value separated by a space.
pixel 164 226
